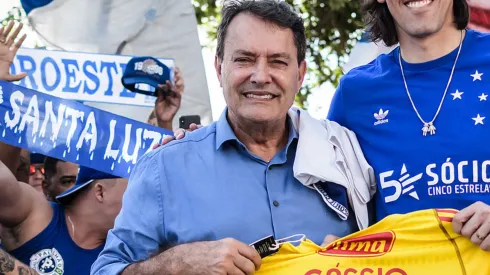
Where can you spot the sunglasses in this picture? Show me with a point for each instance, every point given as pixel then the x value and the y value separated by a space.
pixel 33 169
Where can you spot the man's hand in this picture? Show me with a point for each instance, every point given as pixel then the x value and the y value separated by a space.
pixel 223 257
pixel 473 222
pixel 226 256
pixel 8 49
pixel 168 101
pixel 178 134
pixel 329 239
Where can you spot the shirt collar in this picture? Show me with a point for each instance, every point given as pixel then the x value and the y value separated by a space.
pixel 224 132
pixel 293 135
pixel 292 132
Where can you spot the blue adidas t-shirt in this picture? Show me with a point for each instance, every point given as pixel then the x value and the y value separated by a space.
pixel 450 169
pixel 53 252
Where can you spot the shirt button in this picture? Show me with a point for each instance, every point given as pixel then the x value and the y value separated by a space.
pixel 276 204
pixel 270 167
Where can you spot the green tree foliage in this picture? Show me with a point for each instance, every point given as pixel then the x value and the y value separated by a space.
pixel 332 28
pixel 208 16
pixel 16 13
pixel 19 16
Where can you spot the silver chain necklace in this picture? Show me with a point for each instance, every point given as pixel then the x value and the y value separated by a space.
pixel 429 126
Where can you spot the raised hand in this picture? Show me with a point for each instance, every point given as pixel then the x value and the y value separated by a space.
pixel 169 98
pixel 8 50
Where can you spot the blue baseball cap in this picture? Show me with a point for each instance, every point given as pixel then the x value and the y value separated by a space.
pixel 37 158
pixel 145 70
pixel 85 177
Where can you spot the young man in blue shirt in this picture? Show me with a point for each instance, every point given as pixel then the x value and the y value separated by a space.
pixel 421 112
pixel 61 237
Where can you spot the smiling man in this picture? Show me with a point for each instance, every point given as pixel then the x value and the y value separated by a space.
pixel 193 206
pixel 421 112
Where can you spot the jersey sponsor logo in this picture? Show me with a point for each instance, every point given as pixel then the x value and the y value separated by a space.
pixel 47 262
pixel 463 177
pixel 381 117
pixel 363 271
pixel 446 178
pixel 403 185
pixel 372 245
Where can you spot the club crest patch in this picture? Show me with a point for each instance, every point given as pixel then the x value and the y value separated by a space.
pixel 47 262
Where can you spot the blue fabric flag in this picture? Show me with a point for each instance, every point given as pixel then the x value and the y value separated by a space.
pixel 72 131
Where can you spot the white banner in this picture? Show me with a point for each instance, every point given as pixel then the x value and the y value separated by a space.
pixel 79 76
pixel 158 28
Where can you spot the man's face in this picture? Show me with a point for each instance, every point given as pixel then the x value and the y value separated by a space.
pixel 62 180
pixel 259 72
pixel 420 18
pixel 36 176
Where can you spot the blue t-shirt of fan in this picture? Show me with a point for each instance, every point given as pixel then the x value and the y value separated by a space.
pixel 53 252
pixel 448 169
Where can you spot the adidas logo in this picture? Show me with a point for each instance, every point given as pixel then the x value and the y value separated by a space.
pixel 380 117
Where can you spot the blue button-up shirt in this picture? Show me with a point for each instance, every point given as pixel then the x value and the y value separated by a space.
pixel 208 186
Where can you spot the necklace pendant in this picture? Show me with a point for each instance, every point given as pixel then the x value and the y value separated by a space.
pixel 429 128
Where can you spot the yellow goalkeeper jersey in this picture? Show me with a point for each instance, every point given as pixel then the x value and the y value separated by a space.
pixel 419 243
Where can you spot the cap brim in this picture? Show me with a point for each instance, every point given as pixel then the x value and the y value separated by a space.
pixel 71 191
pixel 139 79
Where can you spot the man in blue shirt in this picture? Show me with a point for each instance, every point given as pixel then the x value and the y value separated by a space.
pixel 57 238
pixel 194 205
pixel 421 112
